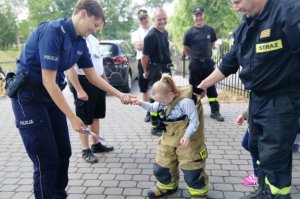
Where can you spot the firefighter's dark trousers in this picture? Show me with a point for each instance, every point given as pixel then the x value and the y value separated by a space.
pixel 274 124
pixel 199 70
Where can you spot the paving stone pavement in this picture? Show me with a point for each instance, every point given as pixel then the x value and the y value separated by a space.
pixel 126 172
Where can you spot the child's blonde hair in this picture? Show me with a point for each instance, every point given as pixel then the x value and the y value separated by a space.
pixel 164 86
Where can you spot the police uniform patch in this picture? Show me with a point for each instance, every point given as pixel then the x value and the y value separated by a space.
pixel 265 33
pixel 269 46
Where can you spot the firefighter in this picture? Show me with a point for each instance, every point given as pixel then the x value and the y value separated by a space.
pixel 267 47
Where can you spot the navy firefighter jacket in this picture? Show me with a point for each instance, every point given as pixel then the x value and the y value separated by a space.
pixel 53 45
pixel 267 47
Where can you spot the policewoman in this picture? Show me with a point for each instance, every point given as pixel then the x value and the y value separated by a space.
pixel 40 108
pixel 267 46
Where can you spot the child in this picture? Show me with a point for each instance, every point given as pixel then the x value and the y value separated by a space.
pixel 182 142
pixel 252 179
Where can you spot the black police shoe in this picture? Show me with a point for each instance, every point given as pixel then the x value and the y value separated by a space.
pixel 155 192
pixel 100 148
pixel 148 117
pixel 217 116
pixel 88 156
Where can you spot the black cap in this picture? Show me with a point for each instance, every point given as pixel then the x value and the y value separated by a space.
pixel 197 10
pixel 142 13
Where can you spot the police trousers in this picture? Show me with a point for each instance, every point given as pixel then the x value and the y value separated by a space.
pixel 170 156
pixel 44 131
pixel 274 124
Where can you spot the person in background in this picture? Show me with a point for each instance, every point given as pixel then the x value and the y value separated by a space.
pixel 138 41
pixel 40 108
pixel 156 58
pixel 90 101
pixel 198 42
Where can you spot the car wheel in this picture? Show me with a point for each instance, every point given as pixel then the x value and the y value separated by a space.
pixel 128 85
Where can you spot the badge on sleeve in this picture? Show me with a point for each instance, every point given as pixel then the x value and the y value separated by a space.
pixel 265 33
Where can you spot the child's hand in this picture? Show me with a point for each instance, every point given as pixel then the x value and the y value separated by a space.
pixel 185 141
pixel 240 120
pixel 135 101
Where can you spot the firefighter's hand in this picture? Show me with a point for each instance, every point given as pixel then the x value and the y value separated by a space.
pixel 146 75
pixel 240 120
pixel 185 141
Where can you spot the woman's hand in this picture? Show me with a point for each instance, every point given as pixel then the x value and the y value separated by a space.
pixel 185 141
pixel 77 124
pixel 127 99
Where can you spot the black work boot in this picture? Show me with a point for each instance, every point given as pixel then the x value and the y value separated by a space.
pixel 215 111
pixel 100 148
pixel 156 192
pixel 88 156
pixel 260 192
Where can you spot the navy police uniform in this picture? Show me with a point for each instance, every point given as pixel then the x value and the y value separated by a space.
pixel 43 127
pixel 201 65
pixel 156 46
pixel 268 49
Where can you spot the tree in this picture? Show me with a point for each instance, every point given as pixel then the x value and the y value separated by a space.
pixel 218 13
pixel 8 30
pixel 119 20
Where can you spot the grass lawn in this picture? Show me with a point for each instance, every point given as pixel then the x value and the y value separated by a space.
pixel 8 59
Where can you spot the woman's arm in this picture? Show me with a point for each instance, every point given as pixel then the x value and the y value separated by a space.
pixel 73 77
pixel 49 81
pixel 102 84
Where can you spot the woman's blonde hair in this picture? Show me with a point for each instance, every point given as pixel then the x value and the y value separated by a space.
pixel 164 86
pixel 92 7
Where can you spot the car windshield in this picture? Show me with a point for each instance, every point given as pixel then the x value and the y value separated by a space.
pixel 109 50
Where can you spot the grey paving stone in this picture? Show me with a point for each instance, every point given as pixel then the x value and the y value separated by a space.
pixel 132 192
pixel 5 195
pixel 21 195
pixel 113 191
pixel 8 188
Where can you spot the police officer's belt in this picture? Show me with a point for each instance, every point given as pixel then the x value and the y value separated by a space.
pixel 154 64
pixel 39 87
pixel 201 59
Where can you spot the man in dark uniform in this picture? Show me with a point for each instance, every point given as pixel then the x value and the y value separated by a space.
pixel 197 45
pixel 267 46
pixel 156 58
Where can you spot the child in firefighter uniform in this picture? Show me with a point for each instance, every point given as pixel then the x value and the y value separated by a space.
pixel 182 142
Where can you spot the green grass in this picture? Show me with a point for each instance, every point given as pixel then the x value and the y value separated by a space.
pixel 9 56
